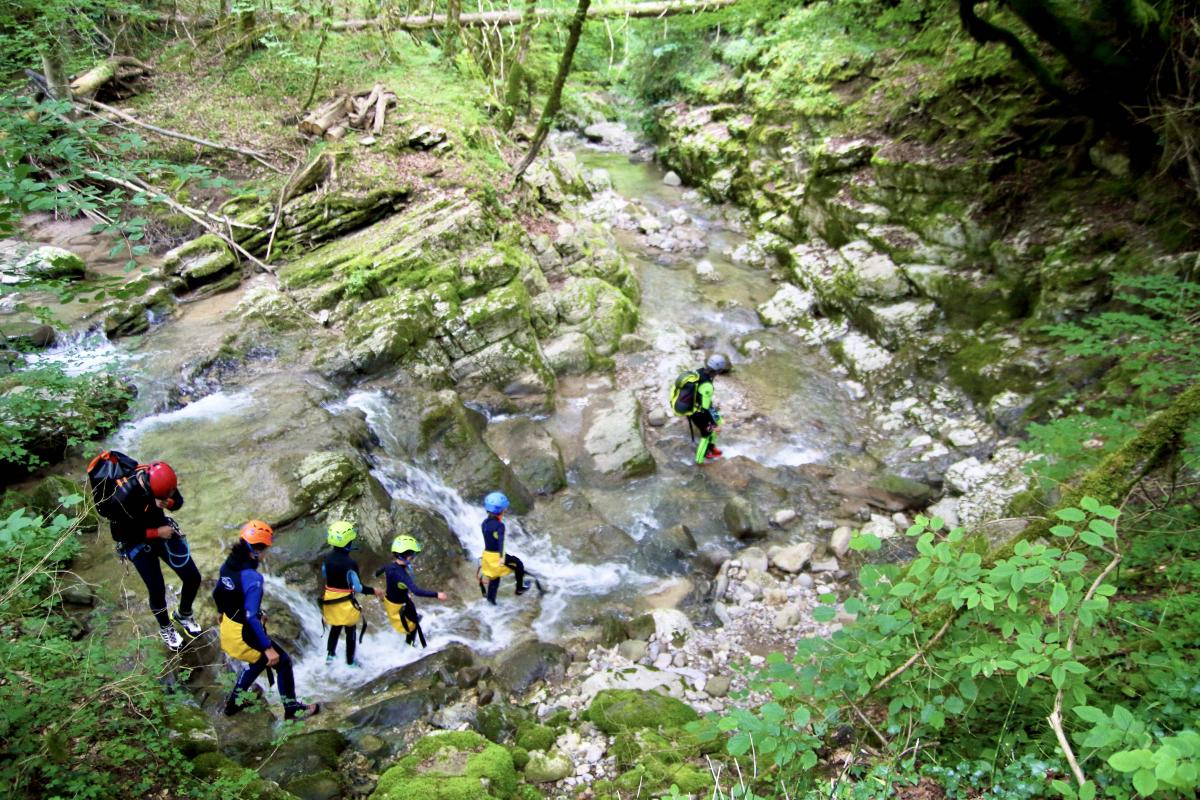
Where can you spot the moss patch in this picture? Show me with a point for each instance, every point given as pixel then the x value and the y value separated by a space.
pixel 617 710
pixel 451 766
pixel 536 737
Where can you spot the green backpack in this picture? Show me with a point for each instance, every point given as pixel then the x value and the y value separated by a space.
pixel 684 395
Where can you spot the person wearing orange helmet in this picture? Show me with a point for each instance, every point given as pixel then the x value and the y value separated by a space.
pixel 137 497
pixel 238 596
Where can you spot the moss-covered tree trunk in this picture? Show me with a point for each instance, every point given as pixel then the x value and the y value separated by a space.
pixel 453 27
pixel 55 70
pixel 516 70
pixel 554 101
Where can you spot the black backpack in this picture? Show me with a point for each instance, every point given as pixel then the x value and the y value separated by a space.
pixel 684 394
pixel 109 475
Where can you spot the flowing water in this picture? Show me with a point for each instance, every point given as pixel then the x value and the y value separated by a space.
pixel 783 402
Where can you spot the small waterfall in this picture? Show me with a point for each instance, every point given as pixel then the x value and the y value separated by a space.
pixel 483 628
pixel 80 353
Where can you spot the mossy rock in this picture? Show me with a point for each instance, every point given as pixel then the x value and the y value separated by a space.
pixel 548 767
pixel 305 754
pixel 236 780
pixel 451 766
pixel 533 736
pixel 520 757
pixel 191 730
pixel 616 710
pixel 323 785
pixel 984 369
pixel 499 722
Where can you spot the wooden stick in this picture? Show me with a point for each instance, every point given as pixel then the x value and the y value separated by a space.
pixel 920 652
pixel 1055 718
pixel 259 157
pixel 380 110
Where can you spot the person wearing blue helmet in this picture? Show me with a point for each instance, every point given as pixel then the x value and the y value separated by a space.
pixel 496 563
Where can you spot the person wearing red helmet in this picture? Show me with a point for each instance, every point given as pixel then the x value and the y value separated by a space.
pixel 244 636
pixel 135 508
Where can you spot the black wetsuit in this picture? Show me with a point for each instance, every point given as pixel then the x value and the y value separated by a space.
pixel 238 596
pixel 134 520
pixel 493 542
pixel 341 572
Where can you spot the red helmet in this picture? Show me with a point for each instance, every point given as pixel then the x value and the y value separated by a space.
pixel 256 532
pixel 162 479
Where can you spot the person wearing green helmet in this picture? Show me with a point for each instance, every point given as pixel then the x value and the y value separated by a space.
pixel 401 586
pixel 339 606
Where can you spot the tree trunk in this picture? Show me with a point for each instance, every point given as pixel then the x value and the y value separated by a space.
pixel 453 27
pixel 53 66
pixel 554 101
pixel 516 71
pixel 487 19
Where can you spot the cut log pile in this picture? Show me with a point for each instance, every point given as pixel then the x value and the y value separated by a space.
pixel 365 112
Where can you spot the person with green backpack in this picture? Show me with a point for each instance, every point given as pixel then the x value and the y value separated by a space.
pixel 692 397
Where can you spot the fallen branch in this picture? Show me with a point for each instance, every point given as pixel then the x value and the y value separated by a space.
pixel 1055 718
pixel 120 67
pixel 190 213
pixel 512 17
pixel 259 157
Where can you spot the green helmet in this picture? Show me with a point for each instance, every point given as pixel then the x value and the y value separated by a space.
pixel 341 533
pixel 404 544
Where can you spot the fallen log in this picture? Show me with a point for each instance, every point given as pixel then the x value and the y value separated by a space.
pixel 326 116
pixel 115 68
pixel 365 106
pixel 484 19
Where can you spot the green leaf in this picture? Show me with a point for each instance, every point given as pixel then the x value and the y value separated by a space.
pixel 1103 528
pixel 1070 515
pixel 1129 760
pixel 739 745
pixel 801 717
pixel 1090 505
pixel 1145 782
pixel 1058 598
pixel 824 613
pixel 1087 791
pixel 1063 530
pixel 903 589
pixel 1088 537
pixel 1108 512
pixel 865 541
pixel 1090 714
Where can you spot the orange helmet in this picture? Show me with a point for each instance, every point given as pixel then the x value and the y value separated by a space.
pixel 256 532
pixel 162 479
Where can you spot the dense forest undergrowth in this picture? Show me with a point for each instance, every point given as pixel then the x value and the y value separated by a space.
pixel 1063 664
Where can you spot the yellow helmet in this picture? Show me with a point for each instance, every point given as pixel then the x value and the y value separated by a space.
pixel 405 544
pixel 341 533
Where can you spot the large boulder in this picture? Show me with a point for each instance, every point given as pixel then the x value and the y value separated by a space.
pixel 599 309
pixel 266 431
pixel 438 429
pixel 303 755
pixel 743 519
pixel 531 453
pixel 613 437
pixel 522 667
pixel 460 765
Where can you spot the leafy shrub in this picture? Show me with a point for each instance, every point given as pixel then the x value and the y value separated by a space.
pixel 79 719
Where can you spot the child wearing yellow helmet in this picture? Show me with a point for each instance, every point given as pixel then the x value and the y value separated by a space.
pixel 401 586
pixel 339 606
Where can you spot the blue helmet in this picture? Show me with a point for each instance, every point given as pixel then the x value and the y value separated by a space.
pixel 495 503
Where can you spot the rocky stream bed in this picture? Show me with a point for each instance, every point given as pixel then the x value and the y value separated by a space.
pixel 416 352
